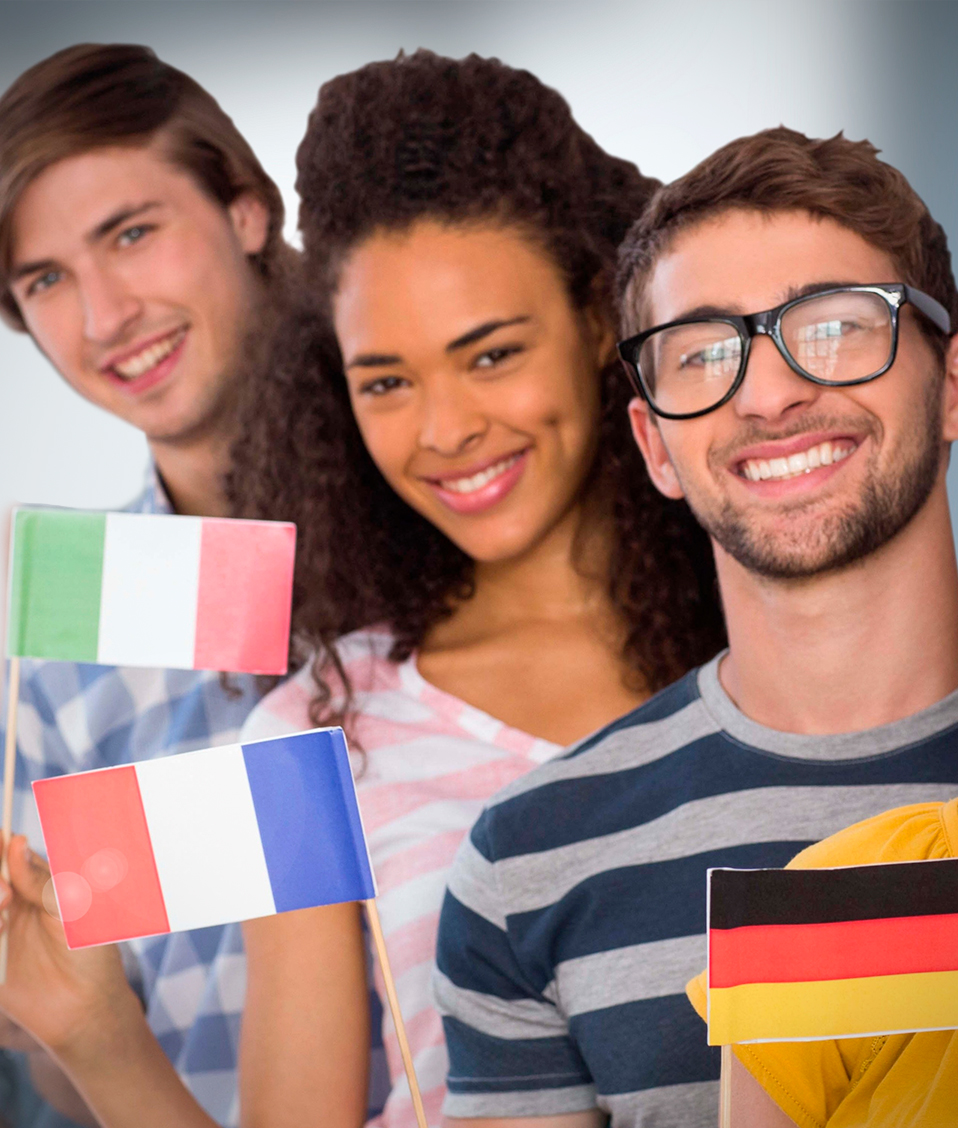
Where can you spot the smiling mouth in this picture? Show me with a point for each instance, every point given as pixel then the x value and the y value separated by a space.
pixel 802 462
pixel 483 478
pixel 137 365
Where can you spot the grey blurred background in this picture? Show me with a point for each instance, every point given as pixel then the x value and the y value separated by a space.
pixel 661 83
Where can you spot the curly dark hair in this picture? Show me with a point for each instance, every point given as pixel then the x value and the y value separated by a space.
pixel 425 137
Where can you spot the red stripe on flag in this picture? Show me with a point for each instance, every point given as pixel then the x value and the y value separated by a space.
pixel 246 585
pixel 852 949
pixel 100 854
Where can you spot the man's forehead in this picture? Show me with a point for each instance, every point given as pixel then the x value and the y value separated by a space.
pixel 745 261
pixel 75 196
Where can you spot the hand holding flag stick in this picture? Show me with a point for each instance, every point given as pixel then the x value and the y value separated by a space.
pixel 275 824
pixel 212 837
pixel 142 590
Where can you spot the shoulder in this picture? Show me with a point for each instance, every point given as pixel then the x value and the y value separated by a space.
pixel 914 833
pixel 523 817
pixel 365 659
pixel 152 498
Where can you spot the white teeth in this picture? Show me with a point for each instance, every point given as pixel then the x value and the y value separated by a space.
pixel 135 366
pixel 824 454
pixel 483 478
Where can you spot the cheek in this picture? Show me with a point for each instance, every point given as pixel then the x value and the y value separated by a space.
pixel 391 441
pixel 689 447
pixel 563 404
pixel 57 329
pixel 202 273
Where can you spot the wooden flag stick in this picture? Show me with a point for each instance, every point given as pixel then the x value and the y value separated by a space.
pixel 725 1093
pixel 9 772
pixel 379 941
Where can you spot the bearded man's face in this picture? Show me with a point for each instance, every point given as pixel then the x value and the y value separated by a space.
pixel 859 461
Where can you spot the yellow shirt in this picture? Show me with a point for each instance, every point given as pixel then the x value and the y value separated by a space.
pixel 897 1081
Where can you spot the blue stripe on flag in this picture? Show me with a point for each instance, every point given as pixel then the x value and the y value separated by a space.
pixel 308 818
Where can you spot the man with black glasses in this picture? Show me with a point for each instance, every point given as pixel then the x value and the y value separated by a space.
pixel 788 306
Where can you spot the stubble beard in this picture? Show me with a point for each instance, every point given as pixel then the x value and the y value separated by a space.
pixel 837 539
pixel 212 415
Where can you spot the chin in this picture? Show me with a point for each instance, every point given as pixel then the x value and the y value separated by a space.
pixel 492 550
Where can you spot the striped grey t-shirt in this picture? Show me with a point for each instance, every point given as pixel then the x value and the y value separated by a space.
pixel 575 913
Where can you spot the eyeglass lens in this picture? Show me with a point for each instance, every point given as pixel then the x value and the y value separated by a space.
pixel 833 337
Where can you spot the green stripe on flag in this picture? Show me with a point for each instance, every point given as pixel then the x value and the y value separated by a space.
pixel 55 584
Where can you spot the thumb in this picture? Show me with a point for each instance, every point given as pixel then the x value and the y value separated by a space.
pixel 29 873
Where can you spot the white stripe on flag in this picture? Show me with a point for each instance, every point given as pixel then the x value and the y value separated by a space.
pixel 151 576
pixel 205 837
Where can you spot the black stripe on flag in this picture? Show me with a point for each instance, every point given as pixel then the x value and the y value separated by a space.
pixel 819 896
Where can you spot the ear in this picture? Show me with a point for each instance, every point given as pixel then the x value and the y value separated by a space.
pixel 950 394
pixel 645 429
pixel 250 219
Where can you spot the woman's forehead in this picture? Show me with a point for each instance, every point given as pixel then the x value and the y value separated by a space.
pixel 441 280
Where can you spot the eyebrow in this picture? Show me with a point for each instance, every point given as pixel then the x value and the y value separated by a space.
pixel 100 231
pixel 484 330
pixel 378 360
pixel 703 312
pixel 119 217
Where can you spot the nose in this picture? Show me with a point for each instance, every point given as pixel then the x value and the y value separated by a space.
pixel 108 305
pixel 450 423
pixel 771 389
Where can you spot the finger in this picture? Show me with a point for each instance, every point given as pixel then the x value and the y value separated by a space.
pixel 28 872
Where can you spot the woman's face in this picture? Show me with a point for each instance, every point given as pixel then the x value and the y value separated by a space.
pixel 473 379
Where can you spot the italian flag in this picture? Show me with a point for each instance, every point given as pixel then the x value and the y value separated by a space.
pixel 849 952
pixel 132 589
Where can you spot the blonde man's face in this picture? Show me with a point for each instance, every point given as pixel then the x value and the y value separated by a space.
pixel 136 285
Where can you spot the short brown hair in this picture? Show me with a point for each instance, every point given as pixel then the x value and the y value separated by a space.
pixel 95 95
pixel 782 170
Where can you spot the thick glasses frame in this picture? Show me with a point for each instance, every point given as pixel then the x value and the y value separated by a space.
pixel 768 323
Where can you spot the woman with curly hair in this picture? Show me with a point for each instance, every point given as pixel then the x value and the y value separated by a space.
pixel 485 572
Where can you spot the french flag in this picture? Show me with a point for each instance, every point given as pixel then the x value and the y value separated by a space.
pixel 205 838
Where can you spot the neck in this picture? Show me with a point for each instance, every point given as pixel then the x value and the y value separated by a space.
pixel 851 650
pixel 542 585
pixel 194 473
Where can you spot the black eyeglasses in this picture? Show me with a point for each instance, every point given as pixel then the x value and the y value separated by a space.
pixel 840 337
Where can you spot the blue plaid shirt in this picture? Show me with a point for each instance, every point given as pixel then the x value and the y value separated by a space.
pixel 74 717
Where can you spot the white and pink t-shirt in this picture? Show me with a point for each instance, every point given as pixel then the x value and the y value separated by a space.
pixel 429 764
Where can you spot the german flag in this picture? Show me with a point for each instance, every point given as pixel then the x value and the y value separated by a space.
pixel 799 955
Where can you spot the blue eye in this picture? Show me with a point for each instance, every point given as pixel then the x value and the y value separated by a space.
pixel 134 234
pixel 43 282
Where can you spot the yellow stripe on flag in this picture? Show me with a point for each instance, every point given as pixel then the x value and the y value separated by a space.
pixel 833 1008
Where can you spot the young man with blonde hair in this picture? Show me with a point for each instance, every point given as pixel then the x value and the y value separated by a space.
pixel 788 307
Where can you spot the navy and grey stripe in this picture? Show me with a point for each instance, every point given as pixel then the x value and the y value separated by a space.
pixel 576 910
